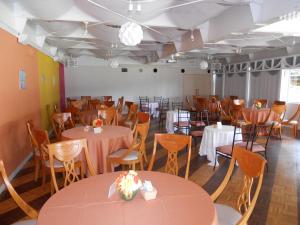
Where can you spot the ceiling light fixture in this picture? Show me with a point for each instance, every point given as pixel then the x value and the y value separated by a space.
pixel 114 63
pixel 203 65
pixel 131 34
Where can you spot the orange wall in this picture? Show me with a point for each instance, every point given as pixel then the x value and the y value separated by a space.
pixel 17 106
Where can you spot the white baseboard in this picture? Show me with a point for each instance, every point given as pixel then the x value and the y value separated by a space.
pixel 16 171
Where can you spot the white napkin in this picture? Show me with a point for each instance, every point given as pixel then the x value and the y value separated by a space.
pixel 147 186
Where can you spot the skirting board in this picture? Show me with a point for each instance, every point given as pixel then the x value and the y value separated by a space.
pixel 16 171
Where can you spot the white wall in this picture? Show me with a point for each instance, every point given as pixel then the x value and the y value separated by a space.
pixel 99 80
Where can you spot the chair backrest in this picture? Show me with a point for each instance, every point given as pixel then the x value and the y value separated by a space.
pixel 232 97
pixel 128 104
pixel 173 143
pixel 177 105
pixel 264 102
pixel 109 103
pixel 143 117
pixel 61 122
pixel 37 138
pixel 277 102
pixel 236 110
pixel 132 112
pixel 66 152
pixel 32 213
pixel 120 104
pixel 144 104
pixel 93 104
pixel 252 165
pixel 213 97
pixel 107 98
pixel 189 104
pixel 201 104
pixel 164 105
pixel 261 135
pixel 108 115
pixel 157 99
pixel 279 111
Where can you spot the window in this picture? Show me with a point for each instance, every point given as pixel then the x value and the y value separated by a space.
pixel 290 85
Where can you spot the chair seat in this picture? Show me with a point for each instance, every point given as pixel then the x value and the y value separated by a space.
pixel 226 149
pixel 293 122
pixel 197 123
pixel 197 133
pixel 227 215
pixel 133 155
pixel 181 124
pixel 57 164
pixel 26 222
pixel 258 148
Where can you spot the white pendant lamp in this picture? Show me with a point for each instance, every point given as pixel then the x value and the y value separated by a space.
pixel 203 65
pixel 131 34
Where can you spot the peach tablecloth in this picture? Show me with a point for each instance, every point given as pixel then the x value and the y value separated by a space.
pixel 256 115
pixel 178 202
pixel 101 145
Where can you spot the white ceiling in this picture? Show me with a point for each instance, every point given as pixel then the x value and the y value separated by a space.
pixel 222 29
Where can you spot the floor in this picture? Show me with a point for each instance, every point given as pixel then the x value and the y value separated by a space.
pixel 278 203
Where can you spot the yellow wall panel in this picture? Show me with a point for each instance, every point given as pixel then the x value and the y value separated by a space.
pixel 49 86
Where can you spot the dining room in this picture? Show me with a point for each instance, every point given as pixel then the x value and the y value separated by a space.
pixel 149 112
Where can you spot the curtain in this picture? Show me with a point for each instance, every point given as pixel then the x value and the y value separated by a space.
pixel 235 84
pixel 265 84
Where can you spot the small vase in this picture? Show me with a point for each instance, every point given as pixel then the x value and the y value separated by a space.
pixel 128 198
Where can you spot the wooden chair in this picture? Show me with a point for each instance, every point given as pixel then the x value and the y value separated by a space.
pixel 107 98
pixel 128 105
pixel 236 112
pixel 264 102
pixel 61 122
pixel 293 122
pixel 233 97
pixel 93 104
pixel 66 152
pixel 189 104
pixel 109 103
pixel 173 143
pixel 277 102
pixel 201 105
pixel 182 125
pixel 109 116
pixel 120 105
pixel 252 166
pixel 144 104
pixel 245 131
pixel 213 97
pixel 37 138
pixel 163 109
pixel 131 118
pixel 279 112
pixel 224 115
pixel 143 117
pixel 30 212
pixel 136 153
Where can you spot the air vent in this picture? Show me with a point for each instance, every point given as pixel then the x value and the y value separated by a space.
pixel 124 70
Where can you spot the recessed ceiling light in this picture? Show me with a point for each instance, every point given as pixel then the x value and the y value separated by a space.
pixel 236 33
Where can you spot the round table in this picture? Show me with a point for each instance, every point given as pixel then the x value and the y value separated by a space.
pixel 256 115
pixel 86 203
pixel 111 139
pixel 214 137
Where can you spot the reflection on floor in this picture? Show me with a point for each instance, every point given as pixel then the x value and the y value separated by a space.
pixel 278 202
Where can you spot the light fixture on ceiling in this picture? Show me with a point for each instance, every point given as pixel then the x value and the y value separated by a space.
pixel 131 34
pixel 203 65
pixel 114 63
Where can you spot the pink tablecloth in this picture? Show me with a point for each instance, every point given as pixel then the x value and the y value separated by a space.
pixel 256 115
pixel 101 145
pixel 86 203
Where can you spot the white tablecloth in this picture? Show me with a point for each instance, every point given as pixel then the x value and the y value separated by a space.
pixel 154 110
pixel 172 117
pixel 214 137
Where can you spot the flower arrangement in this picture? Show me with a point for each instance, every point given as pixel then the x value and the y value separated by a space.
pixel 128 184
pixel 258 105
pixel 97 123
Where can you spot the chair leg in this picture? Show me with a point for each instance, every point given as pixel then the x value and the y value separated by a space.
pixel 37 168
pixel 44 175
pixel 267 164
pixel 215 160
pixel 295 131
